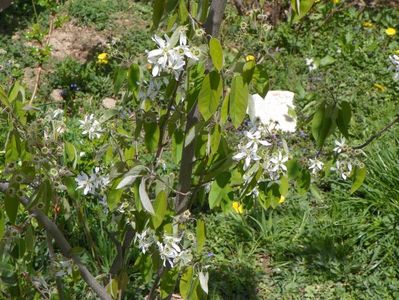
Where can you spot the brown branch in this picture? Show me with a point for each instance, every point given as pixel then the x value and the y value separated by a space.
pixel 378 134
pixel 58 280
pixel 63 244
pixel 212 27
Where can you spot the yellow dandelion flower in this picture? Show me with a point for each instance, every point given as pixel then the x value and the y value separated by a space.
pixel 390 31
pixel 379 87
pixel 249 57
pixel 368 24
pixel 237 207
pixel 396 52
pixel 102 58
pixel 281 200
pixel 336 1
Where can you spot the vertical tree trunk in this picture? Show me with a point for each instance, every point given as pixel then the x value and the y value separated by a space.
pixel 212 27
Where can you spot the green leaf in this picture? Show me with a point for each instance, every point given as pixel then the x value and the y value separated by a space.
pixel 2 225
pixel 344 118
pixel 201 235
pixel 185 285
pixel 157 12
pixel 219 190
pixel 301 8
pixel 327 60
pixel 284 185
pixel 113 198
pixel 11 204
pixel 133 77
pixel 4 98
pixel 360 175
pixel 44 195
pixel 151 136
pixel 160 206
pixel 323 123
pixel 168 282
pixel 13 147
pixel 209 95
pixel 177 145
pixel 183 12
pixel 71 154
pixel 260 80
pixel 130 177
pixel 29 239
pixel 145 200
pixel 298 6
pixel 112 288
pixel 215 138
pixel 17 92
pixel 216 53
pixel 238 100
pixel 119 77
pixel 248 71
pixel 224 112
pixel 293 168
pixel 303 181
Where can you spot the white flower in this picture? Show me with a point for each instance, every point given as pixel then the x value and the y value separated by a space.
pixel 169 250
pixel 168 57
pixel 340 145
pixel 57 113
pixel 273 111
pixel 343 168
pixel 159 57
pixel 93 182
pixel 278 162
pixel 311 64
pixel 395 65
pixel 255 139
pixel 315 165
pixel 91 127
pixel 248 154
pixel 184 258
pixel 84 182
pixel 144 240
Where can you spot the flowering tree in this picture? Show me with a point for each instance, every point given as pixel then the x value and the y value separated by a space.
pixel 169 150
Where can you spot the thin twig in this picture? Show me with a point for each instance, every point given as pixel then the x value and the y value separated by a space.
pixel 378 134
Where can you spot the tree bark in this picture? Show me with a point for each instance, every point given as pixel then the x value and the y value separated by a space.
pixel 212 28
pixel 4 4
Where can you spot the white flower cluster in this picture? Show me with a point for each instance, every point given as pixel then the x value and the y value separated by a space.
pixel 343 164
pixel 91 127
pixel 170 249
pixel 169 57
pixel 93 182
pixel 311 64
pixel 248 152
pixel 257 148
pixel 395 65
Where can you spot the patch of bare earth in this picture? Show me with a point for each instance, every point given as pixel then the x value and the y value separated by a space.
pixel 74 41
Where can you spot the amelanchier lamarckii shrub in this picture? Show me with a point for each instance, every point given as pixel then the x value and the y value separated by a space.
pixel 166 150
